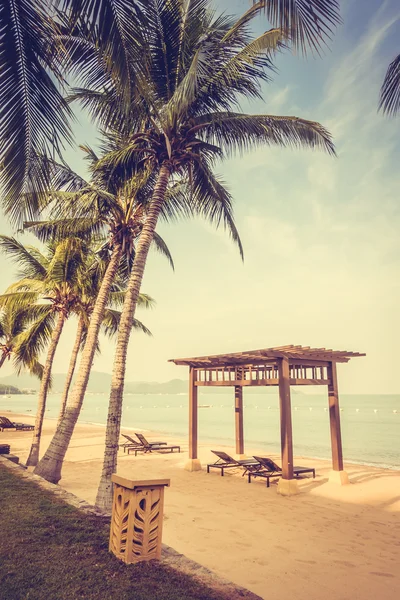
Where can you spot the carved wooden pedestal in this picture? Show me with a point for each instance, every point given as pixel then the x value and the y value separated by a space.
pixel 137 519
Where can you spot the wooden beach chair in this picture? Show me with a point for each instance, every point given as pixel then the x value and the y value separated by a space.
pixel 228 462
pixel 269 469
pixel 5 423
pixel 131 444
pixel 150 446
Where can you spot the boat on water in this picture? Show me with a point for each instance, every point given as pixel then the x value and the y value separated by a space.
pixel 205 405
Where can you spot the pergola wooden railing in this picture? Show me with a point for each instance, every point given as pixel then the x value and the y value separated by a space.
pixel 282 366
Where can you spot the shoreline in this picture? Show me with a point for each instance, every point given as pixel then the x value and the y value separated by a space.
pixel 210 440
pixel 338 534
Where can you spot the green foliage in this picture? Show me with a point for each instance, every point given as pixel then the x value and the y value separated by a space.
pixel 194 69
pixel 307 23
pixel 23 331
pixel 68 554
pixel 34 116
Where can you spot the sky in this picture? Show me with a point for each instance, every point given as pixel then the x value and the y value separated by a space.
pixel 320 234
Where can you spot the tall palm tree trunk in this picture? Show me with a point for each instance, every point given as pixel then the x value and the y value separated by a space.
pixel 51 464
pixel 2 359
pixel 44 386
pixel 104 493
pixel 71 368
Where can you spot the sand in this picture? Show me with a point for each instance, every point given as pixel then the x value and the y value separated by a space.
pixel 329 542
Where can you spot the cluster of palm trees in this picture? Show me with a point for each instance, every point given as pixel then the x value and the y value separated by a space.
pixel 163 81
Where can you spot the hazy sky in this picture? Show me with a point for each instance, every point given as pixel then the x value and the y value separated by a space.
pixel 321 235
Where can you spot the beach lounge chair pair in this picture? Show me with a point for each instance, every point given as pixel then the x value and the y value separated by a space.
pixel 143 445
pixel 258 466
pixel 5 423
pixel 228 462
pixel 269 469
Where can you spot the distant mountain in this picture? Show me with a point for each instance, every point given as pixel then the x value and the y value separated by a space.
pixel 8 389
pixel 101 382
pixel 98 383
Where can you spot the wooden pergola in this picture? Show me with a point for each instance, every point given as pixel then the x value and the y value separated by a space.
pixel 281 366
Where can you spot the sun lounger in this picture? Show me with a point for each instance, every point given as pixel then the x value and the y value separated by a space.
pixel 4 448
pixel 228 462
pixel 269 469
pixel 131 444
pixel 150 446
pixel 134 445
pixel 5 423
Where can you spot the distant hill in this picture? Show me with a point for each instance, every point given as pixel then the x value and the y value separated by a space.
pixel 98 382
pixel 101 382
pixel 8 389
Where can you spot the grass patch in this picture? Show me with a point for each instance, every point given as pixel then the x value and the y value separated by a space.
pixel 51 551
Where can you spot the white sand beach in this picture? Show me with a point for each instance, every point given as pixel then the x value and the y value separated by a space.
pixel 327 542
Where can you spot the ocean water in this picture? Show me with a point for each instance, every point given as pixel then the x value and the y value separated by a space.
pixel 370 423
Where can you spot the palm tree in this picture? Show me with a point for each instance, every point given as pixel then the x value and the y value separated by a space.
pixel 179 122
pixel 390 91
pixel 113 201
pixel 106 204
pixel 55 278
pixel 110 322
pixel 15 326
pixel 198 67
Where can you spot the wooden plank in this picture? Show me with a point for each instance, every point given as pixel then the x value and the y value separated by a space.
pixel 334 418
pixel 193 413
pixel 286 419
pixel 239 419
pixel 260 382
pixel 243 382
pixel 131 484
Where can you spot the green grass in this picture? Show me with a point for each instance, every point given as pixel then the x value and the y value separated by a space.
pixel 51 551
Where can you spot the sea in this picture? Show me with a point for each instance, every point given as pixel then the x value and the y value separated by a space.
pixel 370 423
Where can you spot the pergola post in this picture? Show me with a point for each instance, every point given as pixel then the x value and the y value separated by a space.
pixel 193 464
pixel 239 420
pixel 338 474
pixel 287 485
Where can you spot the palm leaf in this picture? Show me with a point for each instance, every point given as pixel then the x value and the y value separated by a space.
pixel 212 201
pixel 30 259
pixel 32 342
pixel 162 247
pixel 389 101
pixel 309 23
pixel 236 131
pixel 111 323
pixel 34 116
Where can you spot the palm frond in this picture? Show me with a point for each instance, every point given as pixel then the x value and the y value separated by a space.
pixel 310 23
pixel 212 201
pixel 34 116
pixel 236 131
pixel 162 247
pixel 30 259
pixel 17 297
pixel 111 323
pixel 116 27
pixel 32 342
pixel 389 101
